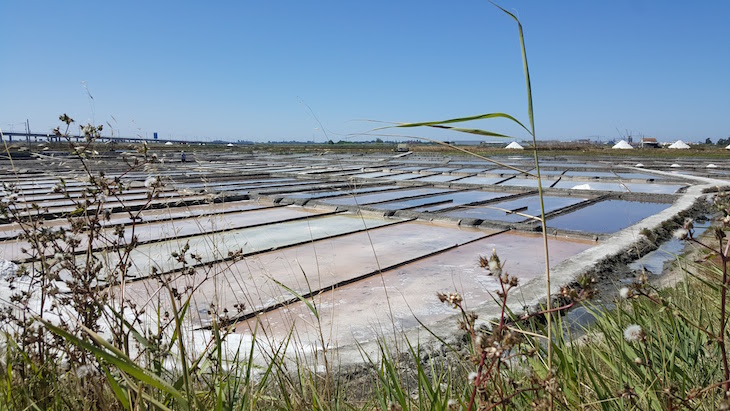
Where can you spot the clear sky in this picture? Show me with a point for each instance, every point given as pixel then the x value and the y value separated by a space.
pixel 250 69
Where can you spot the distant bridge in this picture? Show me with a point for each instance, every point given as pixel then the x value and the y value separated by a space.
pixel 37 137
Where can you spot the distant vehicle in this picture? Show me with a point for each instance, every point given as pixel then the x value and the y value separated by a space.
pixel 402 148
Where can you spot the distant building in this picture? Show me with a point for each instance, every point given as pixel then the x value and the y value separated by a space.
pixel 649 142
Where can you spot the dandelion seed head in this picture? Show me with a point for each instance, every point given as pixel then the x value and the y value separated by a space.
pixel 633 333
pixel 624 292
pixel 150 181
pixel 681 234
pixel 472 377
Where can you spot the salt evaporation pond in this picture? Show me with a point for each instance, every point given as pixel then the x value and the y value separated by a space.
pixel 607 216
pixel 482 181
pixel 216 246
pixel 649 188
pixel 527 205
pixel 440 178
pixel 363 311
pixel 387 196
pixel 259 281
pixel 452 199
pixel 343 192
pixel 363 282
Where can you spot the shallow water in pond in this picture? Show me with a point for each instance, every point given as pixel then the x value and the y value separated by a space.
pixel 375 174
pixel 527 182
pixel 505 171
pixel 607 216
pixel 625 187
pixel 403 176
pixel 532 204
pixel 641 176
pixel 482 181
pixel 653 188
pixel 343 192
pixel 391 195
pixel 590 174
pixel 440 178
pixel 439 169
pixel 457 199
pixel 470 170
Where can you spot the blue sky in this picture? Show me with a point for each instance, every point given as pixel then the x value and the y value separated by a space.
pixel 253 69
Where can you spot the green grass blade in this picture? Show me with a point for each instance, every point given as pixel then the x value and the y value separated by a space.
pixel 463 120
pixel 476 131
pixel 119 392
pixel 300 298
pixel 525 68
pixel 119 360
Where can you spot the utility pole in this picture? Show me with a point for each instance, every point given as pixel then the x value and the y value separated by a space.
pixel 27 132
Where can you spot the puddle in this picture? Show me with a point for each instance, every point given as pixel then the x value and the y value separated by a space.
pixel 655 261
pixel 607 216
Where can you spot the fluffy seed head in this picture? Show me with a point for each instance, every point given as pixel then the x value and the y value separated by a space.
pixel 633 333
pixel 624 292
pixel 681 234
pixel 150 182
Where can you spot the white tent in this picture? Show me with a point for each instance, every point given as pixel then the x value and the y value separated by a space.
pixel 515 146
pixel 623 145
pixel 727 148
pixel 680 144
pixel 229 145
